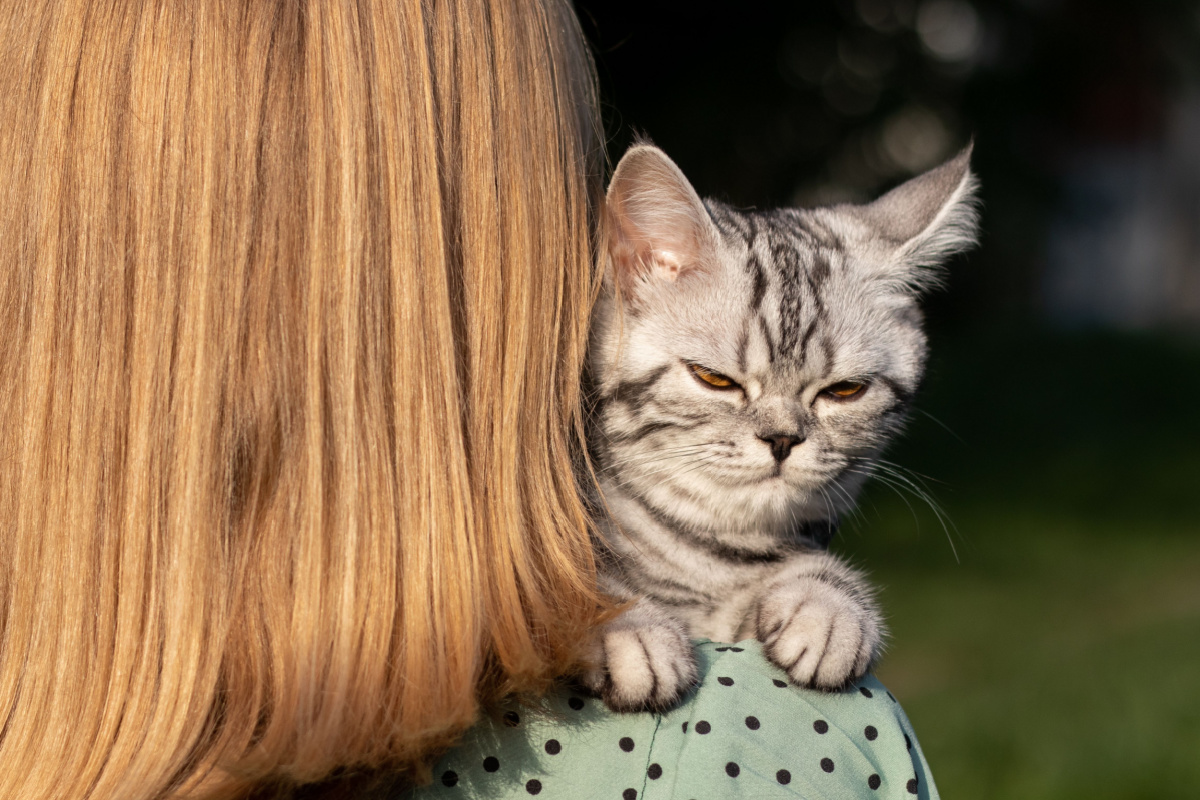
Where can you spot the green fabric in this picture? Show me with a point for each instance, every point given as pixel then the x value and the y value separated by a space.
pixel 744 733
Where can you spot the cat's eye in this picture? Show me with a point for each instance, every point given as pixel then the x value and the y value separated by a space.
pixel 845 390
pixel 714 379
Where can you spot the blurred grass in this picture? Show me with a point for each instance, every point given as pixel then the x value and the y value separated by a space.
pixel 1059 656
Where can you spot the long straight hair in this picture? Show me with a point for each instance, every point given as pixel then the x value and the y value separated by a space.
pixel 294 301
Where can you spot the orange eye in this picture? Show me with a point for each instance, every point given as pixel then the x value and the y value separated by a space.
pixel 714 379
pixel 846 389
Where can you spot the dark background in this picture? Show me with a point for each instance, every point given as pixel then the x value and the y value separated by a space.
pixel 1038 539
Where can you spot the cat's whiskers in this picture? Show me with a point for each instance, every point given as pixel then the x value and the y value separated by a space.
pixel 900 484
pixel 915 485
pixel 691 464
pixel 703 462
pixel 849 499
pixel 922 492
pixel 895 487
pixel 639 476
pixel 852 510
pixel 658 451
pixel 656 456
pixel 829 505
pixel 912 472
pixel 940 424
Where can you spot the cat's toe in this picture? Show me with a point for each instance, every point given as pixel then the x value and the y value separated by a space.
pixel 816 635
pixel 641 669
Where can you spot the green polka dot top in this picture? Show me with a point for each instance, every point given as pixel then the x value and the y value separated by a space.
pixel 745 733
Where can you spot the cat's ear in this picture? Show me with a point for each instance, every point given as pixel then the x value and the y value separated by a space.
pixel 924 221
pixel 658 229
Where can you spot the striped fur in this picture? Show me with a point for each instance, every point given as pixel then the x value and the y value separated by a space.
pixel 721 501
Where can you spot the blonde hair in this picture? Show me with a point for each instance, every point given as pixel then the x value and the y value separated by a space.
pixel 294 302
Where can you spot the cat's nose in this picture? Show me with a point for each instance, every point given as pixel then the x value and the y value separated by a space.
pixel 781 444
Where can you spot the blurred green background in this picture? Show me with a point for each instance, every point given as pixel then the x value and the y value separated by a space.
pixel 1046 621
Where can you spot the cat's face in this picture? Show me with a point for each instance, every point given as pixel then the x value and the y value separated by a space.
pixel 751 365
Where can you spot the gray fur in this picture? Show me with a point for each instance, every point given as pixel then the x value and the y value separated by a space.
pixel 710 532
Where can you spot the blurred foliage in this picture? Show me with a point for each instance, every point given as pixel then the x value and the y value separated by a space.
pixel 1056 656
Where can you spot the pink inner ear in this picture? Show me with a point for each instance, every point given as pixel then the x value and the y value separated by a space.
pixel 634 266
pixel 657 222
pixel 637 261
pixel 666 263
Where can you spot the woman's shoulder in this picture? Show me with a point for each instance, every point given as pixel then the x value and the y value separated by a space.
pixel 745 732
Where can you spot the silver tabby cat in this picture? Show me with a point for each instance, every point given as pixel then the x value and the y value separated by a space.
pixel 749 366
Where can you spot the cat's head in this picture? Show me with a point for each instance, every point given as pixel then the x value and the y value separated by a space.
pixel 752 364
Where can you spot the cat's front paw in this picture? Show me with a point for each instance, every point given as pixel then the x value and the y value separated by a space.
pixel 822 634
pixel 641 661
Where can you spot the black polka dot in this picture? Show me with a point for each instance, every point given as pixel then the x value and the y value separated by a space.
pixel 783 776
pixel 491 764
pixel 553 747
pixel 827 764
pixel 576 703
pixel 732 769
pixel 907 742
pixel 865 691
pixel 449 778
pixel 654 771
pixel 779 683
pixel 685 726
pixel 821 726
pixel 737 649
pixel 629 794
pixel 626 744
pixel 703 727
pixel 911 786
pixel 752 723
pixel 512 719
pixel 724 681
pixel 873 782
pixel 870 733
pixel 533 786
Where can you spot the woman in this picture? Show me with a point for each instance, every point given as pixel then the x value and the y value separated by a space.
pixel 295 301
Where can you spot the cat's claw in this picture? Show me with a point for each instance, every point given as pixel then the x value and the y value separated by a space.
pixel 819 634
pixel 641 661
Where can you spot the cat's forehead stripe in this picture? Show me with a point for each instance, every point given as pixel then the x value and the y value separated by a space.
pixel 759 277
pixel 790 297
pixel 814 229
pixel 772 348
pixel 789 258
pixel 802 274
pixel 743 346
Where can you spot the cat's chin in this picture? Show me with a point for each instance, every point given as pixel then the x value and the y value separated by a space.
pixel 767 506
pixel 763 503
pixel 781 485
pixel 787 491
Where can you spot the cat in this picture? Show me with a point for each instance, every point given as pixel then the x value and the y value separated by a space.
pixel 748 366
